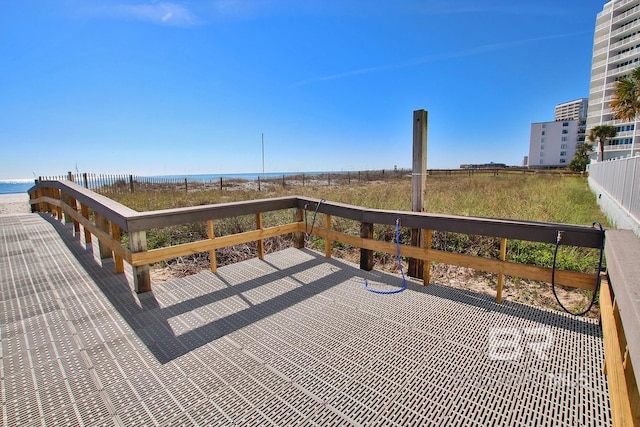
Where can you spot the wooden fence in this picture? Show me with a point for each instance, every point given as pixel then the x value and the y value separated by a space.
pixel 118 183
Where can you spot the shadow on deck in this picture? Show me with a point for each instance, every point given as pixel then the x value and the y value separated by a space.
pixel 294 339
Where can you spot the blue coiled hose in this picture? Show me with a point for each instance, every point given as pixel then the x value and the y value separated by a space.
pixel 404 279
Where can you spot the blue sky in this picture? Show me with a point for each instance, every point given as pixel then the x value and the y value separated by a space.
pixel 188 87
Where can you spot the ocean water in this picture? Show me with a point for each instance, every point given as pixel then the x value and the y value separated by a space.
pixel 15 186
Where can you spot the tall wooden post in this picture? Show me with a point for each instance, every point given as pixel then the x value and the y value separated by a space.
pixel 418 184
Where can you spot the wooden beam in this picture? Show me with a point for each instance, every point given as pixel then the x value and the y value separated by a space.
pixel 366 255
pixel 103 225
pixel 621 413
pixel 211 233
pixel 117 237
pixel 542 274
pixel 327 241
pixel 102 236
pixel 503 257
pixel 85 214
pixel 141 277
pixel 298 236
pixel 428 242
pixel 161 254
pixel 260 241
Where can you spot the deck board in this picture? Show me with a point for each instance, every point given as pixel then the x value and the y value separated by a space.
pixel 291 340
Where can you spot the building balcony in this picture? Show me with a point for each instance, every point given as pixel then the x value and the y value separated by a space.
pixel 625 134
pixel 622 4
pixel 619 147
pixel 631 13
pixel 603 51
pixel 627 28
pixel 623 69
pixel 624 42
pixel 622 57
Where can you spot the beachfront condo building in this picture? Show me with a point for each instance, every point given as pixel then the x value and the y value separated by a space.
pixel 616 52
pixel 553 144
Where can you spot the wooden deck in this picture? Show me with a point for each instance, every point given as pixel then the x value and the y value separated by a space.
pixel 291 340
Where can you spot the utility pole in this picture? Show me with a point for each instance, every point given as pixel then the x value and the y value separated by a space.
pixel 262 153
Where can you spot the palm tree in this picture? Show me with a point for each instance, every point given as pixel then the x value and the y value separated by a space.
pixel 601 134
pixel 581 158
pixel 626 97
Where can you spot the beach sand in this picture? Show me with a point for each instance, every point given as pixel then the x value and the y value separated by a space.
pixel 14 203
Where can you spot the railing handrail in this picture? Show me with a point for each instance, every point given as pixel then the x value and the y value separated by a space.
pixel 130 220
pixel 533 231
pixel 114 211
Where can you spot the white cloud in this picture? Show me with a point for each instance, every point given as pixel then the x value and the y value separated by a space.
pixel 164 13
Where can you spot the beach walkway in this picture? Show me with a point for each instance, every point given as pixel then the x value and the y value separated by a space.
pixel 291 340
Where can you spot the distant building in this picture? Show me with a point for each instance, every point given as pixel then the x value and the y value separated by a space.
pixel 616 52
pixel 553 144
pixel 484 166
pixel 572 110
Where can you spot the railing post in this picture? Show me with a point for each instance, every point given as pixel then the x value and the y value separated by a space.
pixel 59 196
pixel 211 233
pixel 260 242
pixel 141 277
pixel 74 205
pixel 131 183
pixel 298 236
pixel 426 273
pixel 84 211
pixel 327 240
pixel 103 224
pixel 503 257
pixel 366 255
pixel 117 260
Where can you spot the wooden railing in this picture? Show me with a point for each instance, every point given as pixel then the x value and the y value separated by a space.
pixel 108 220
pixel 620 319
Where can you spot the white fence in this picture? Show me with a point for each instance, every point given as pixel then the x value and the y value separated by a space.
pixel 618 180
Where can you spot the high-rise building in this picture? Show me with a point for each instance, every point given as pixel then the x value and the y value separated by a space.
pixel 553 144
pixel 572 110
pixel 616 52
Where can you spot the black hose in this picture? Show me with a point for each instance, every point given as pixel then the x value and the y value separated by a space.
pixel 313 222
pixel 597 285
